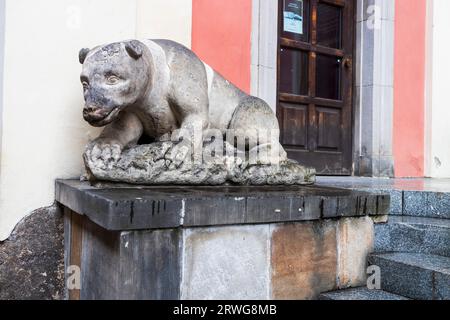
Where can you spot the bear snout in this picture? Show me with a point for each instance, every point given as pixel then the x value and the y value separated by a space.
pixel 95 114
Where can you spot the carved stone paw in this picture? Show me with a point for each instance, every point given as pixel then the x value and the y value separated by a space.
pixel 103 154
pixel 177 155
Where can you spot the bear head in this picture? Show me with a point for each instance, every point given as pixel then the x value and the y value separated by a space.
pixel 114 77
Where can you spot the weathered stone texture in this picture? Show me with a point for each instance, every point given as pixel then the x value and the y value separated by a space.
pixel 315 257
pixel 32 259
pixel 226 263
pixel 355 243
pixel 304 260
pixel 148 165
pixel 241 262
pixel 122 207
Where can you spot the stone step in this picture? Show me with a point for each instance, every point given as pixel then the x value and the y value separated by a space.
pixel 414 275
pixel 361 293
pixel 410 203
pixel 427 204
pixel 429 198
pixel 413 235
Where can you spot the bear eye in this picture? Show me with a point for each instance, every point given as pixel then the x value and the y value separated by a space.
pixel 84 82
pixel 112 79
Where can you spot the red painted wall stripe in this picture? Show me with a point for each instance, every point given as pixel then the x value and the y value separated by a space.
pixel 221 36
pixel 409 88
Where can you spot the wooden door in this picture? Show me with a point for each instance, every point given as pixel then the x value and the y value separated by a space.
pixel 315 78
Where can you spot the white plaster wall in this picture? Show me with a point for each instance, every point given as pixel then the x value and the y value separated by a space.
pixel 44 134
pixel 43 131
pixel 2 52
pixel 438 131
pixel 165 19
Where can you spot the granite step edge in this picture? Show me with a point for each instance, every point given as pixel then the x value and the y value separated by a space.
pixel 417 235
pixel 416 276
pixel 361 293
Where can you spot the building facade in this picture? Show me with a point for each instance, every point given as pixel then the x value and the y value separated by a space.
pixel 358 85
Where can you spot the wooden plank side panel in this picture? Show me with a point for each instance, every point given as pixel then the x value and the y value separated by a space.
pixel 151 265
pixel 67 247
pixel 100 263
pixel 76 245
pixel 138 265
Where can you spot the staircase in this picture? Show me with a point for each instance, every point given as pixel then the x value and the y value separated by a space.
pixel 412 251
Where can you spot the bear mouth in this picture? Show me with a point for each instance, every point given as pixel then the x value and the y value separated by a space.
pixel 106 120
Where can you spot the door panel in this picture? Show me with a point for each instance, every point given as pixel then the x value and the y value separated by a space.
pixel 315 78
pixel 296 119
pixel 328 129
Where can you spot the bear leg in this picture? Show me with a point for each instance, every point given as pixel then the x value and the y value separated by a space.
pixel 254 121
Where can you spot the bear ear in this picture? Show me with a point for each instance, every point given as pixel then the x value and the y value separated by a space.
pixel 83 54
pixel 134 49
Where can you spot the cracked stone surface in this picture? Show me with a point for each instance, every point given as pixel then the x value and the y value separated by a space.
pixel 32 259
pixel 148 164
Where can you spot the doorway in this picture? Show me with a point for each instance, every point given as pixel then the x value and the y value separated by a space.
pixel 315 81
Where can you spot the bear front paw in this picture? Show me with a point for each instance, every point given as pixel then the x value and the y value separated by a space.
pixel 103 154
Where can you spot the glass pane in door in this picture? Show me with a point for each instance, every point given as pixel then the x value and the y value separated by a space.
pixel 294 71
pixel 328 77
pixel 329 25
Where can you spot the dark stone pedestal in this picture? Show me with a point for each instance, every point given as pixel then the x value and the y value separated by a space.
pixel 227 242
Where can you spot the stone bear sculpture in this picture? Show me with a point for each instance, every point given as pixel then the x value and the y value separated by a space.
pixel 155 87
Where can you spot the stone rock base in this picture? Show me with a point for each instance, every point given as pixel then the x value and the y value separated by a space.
pixel 150 165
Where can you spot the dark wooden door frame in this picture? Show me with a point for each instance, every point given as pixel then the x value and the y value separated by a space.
pixel 349 22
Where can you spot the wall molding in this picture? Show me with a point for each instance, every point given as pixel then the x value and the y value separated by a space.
pixel 429 91
pixel 373 102
pixel 264 48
